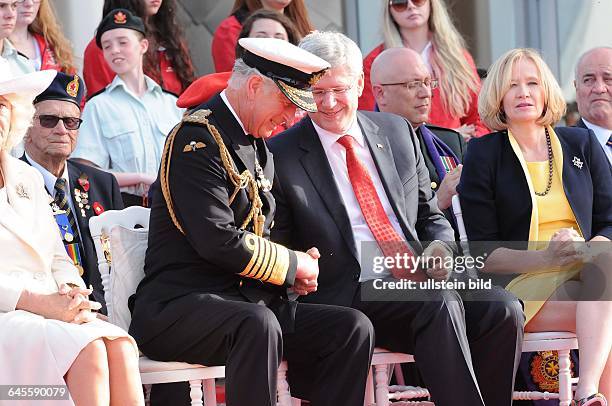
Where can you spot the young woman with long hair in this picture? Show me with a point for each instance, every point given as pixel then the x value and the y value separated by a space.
pixel 38 36
pixel 426 27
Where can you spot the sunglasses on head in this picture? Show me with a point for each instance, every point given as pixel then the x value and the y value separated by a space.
pixel 402 5
pixel 50 121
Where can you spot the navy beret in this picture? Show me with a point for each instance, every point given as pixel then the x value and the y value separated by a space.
pixel 64 87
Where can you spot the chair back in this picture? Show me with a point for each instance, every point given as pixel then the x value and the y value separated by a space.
pixel 120 248
pixel 463 239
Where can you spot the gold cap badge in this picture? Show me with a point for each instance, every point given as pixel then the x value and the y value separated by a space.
pixel 72 88
pixel 120 18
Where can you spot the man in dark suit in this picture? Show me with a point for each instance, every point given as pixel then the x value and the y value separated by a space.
pixel 88 191
pixel 403 85
pixel 214 291
pixel 353 182
pixel 594 95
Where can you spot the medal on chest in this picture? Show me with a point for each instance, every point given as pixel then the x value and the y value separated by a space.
pixel 263 183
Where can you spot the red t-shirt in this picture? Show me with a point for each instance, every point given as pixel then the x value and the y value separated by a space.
pixel 438 116
pixel 97 74
pixel 224 44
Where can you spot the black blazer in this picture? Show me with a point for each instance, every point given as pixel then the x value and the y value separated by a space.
pixel 495 196
pixel 311 212
pixel 103 189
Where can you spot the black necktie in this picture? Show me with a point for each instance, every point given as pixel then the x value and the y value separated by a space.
pixel 61 199
pixel 609 143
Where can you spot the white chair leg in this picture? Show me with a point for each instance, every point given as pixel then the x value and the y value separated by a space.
pixel 210 392
pixel 369 390
pixel 399 374
pixel 381 379
pixel 195 392
pixel 565 389
pixel 284 396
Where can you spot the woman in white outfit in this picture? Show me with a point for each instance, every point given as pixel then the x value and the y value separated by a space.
pixel 48 332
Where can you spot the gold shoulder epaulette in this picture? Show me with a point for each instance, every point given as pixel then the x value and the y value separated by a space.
pixel 238 180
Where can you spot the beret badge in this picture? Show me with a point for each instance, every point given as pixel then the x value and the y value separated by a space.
pixel 120 18
pixel 72 88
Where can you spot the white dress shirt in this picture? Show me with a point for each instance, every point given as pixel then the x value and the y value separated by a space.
pixel 336 156
pixel 603 135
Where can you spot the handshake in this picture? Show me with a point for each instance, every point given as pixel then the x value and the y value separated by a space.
pixel 307 271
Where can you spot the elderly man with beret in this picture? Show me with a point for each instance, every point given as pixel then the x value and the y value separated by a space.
pixel 79 191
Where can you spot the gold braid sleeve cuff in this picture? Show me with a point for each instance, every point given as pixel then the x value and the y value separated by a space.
pixel 269 261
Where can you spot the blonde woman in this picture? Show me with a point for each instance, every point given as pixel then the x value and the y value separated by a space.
pixel 38 36
pixel 426 27
pixel 49 334
pixel 528 182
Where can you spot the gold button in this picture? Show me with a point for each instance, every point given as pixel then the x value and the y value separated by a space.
pixel 434 185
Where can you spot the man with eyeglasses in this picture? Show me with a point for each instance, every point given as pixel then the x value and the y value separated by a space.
pixel 18 62
pixel 354 184
pixel 593 84
pixel 79 191
pixel 402 84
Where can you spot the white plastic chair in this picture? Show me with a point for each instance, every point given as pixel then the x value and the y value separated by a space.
pixel 560 341
pixel 119 243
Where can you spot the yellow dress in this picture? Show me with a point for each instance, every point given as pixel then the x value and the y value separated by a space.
pixel 553 212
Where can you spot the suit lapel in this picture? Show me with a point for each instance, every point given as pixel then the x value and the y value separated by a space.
pixel 383 159
pixel 21 197
pixel 574 178
pixel 73 175
pixel 317 167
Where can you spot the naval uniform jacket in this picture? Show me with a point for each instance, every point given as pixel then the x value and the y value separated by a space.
pixel 214 255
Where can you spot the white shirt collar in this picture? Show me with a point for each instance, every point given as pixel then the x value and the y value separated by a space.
pixel 602 134
pixel 328 138
pixel 48 177
pixel 152 86
pixel 231 109
pixel 8 48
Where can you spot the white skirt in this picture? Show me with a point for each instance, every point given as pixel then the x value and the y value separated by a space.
pixel 39 351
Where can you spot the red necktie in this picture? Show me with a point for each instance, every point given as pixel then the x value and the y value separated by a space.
pixel 389 241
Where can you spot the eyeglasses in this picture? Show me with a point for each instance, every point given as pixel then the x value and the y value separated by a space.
pixel 336 91
pixel 50 121
pixel 402 5
pixel 415 84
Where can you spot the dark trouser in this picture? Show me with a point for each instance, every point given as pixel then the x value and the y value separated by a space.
pixel 494 320
pixel 328 353
pixel 130 200
pixel 434 330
